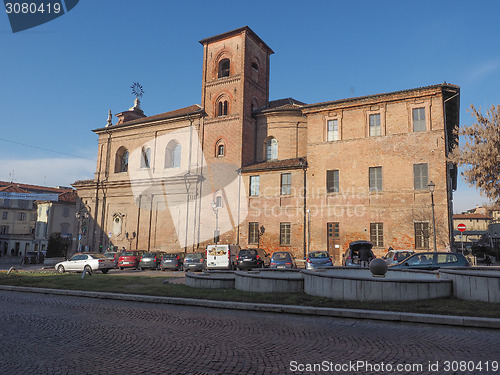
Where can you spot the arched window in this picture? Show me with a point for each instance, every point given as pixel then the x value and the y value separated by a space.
pixel 222 108
pixel 271 149
pixel 146 157
pixel 224 68
pixel 173 155
pixel 220 148
pixel 121 160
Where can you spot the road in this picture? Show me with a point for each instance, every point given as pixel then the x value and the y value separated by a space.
pixel 48 334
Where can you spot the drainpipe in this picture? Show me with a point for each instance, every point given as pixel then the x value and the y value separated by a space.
pixel 304 168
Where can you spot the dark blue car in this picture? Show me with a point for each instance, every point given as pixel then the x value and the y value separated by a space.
pixel 283 259
pixel 432 261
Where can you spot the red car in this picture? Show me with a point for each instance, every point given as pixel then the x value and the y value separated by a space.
pixel 129 259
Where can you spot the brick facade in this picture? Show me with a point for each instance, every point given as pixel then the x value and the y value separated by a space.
pixel 381 151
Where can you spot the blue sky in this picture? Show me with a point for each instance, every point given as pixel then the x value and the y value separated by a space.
pixel 60 79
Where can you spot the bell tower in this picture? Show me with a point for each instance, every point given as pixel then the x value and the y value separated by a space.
pixel 235 82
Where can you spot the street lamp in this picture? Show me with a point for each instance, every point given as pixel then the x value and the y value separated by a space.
pixel 431 187
pixel 215 207
pixel 130 239
pixel 82 216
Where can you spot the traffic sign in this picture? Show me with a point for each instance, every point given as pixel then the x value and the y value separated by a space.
pixel 462 227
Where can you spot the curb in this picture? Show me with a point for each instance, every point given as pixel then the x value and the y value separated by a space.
pixel 461 321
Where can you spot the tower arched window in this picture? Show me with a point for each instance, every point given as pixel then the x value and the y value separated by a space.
pixel 220 148
pixel 121 160
pixel 173 155
pixel 146 157
pixel 224 68
pixel 271 149
pixel 222 108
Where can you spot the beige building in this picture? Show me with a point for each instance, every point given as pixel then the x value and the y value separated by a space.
pixel 281 174
pixel 27 222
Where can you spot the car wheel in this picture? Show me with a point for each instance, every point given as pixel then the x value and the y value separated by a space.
pixel 105 271
pixel 60 269
pixel 88 269
pixel 121 268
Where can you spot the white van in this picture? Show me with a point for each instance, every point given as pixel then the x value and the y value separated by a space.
pixel 222 257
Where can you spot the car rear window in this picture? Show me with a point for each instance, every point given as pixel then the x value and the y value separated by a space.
pixel 98 256
pixel 281 256
pixel 195 256
pixel 169 256
pixel 149 255
pixel 246 252
pixel 318 254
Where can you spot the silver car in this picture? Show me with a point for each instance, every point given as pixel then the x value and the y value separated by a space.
pixel 86 262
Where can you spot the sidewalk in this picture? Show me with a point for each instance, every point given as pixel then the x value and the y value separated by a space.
pixel 402 317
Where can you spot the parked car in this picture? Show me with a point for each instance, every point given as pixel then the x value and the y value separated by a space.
pixel 151 261
pixel 194 262
pixel 396 256
pixel 318 259
pixel 113 255
pixel 252 258
pixel 432 261
pixel 129 259
pixel 222 256
pixel 33 257
pixel 172 261
pixel 351 256
pixel 86 261
pixel 283 259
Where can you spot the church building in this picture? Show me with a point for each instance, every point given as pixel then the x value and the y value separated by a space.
pixel 277 174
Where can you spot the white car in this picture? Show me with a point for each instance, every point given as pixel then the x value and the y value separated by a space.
pixel 86 261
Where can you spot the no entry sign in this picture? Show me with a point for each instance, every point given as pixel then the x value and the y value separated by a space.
pixel 462 227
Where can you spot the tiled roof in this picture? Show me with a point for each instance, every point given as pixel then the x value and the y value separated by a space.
pixel 471 217
pixel 35 188
pixel 281 104
pixel 295 163
pixel 192 109
pixel 68 196
pixel 13 189
pixel 235 32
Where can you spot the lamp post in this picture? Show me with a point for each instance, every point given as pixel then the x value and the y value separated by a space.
pixel 431 187
pixel 216 232
pixel 130 239
pixel 82 216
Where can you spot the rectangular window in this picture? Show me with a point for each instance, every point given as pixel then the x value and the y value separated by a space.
pixel 285 234
pixel 253 233
pixel 421 235
pixel 5 215
pixel 65 211
pixel 420 176
pixel 375 128
pixel 4 229
pixel 375 178
pixel 22 216
pixel 218 201
pixel 377 234
pixel 286 184
pixel 254 185
pixel 332 181
pixel 419 120
pixel 332 132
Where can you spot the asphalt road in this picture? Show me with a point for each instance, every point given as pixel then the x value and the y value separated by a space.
pixel 48 334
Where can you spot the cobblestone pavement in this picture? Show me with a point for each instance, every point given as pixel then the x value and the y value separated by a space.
pixel 48 334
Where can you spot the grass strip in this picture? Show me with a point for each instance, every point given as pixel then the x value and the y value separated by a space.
pixel 159 286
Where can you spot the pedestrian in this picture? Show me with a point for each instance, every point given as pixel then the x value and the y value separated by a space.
pixel 364 256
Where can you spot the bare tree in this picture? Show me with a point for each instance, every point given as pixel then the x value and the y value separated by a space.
pixel 479 155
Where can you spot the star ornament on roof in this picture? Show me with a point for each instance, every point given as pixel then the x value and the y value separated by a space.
pixel 137 89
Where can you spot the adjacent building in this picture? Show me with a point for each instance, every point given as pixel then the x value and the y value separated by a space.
pixel 277 174
pixel 31 213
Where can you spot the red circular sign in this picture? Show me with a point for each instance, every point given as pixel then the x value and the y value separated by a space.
pixel 462 227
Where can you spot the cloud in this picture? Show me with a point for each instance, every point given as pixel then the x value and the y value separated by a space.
pixel 47 172
pixel 482 71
